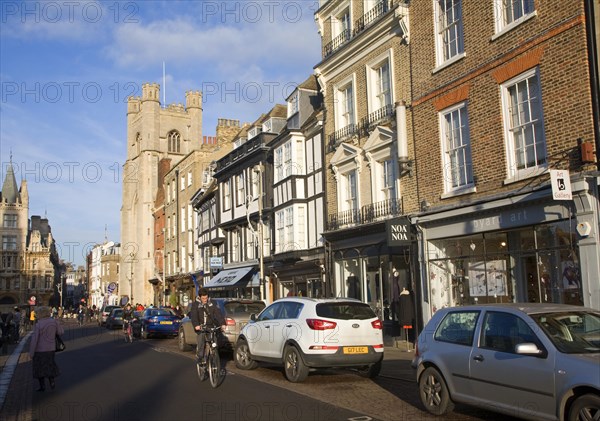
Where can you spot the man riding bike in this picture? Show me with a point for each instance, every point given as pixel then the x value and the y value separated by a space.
pixel 128 317
pixel 205 314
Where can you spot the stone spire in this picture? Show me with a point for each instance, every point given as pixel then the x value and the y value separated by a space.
pixel 10 191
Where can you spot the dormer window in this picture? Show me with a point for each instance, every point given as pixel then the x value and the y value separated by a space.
pixel 238 142
pixel 254 131
pixel 293 104
pixel 273 125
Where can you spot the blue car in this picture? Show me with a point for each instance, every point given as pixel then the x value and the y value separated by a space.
pixel 159 321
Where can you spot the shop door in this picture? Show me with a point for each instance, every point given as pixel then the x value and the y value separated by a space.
pixel 536 285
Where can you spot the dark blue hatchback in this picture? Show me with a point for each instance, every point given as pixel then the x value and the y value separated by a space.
pixel 159 321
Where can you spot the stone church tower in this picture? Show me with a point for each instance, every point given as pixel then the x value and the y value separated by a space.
pixel 153 133
pixel 14 217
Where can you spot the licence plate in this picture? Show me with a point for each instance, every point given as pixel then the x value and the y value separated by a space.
pixel 356 350
pixel 166 323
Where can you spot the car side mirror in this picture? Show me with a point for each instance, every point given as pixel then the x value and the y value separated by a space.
pixel 253 317
pixel 529 348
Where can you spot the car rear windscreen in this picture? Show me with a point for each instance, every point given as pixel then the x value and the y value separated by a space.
pixel 244 308
pixel 345 311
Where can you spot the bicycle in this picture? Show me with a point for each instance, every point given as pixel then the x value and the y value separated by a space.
pixel 212 360
pixel 128 331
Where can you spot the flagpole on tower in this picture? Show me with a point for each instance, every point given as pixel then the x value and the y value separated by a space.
pixel 164 86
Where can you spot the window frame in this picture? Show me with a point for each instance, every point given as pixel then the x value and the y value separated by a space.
pixel 374 88
pixel 501 23
pixel 10 220
pixel 341 103
pixel 513 172
pixel 445 57
pixel 446 149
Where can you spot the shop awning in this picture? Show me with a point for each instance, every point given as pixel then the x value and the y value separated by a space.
pixel 230 278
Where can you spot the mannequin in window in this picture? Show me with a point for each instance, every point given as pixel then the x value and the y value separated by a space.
pixel 353 287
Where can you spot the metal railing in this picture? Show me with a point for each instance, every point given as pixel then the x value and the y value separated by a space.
pixel 373 212
pixel 384 113
pixel 360 25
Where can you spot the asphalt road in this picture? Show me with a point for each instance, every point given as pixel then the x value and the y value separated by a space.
pixel 104 378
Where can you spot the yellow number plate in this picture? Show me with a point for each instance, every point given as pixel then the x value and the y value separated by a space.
pixel 166 323
pixel 356 350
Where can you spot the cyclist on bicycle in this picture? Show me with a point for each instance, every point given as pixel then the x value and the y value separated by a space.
pixel 204 314
pixel 127 316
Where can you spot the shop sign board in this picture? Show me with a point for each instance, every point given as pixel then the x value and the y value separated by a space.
pixel 216 262
pixel 561 185
pixel 398 232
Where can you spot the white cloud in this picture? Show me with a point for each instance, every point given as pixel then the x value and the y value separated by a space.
pixel 227 49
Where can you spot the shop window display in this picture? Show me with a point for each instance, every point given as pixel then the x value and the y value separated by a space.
pixel 533 264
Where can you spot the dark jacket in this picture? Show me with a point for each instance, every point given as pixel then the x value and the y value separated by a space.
pixel 209 315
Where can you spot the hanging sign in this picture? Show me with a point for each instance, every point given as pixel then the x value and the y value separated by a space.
pixel 398 232
pixel 561 185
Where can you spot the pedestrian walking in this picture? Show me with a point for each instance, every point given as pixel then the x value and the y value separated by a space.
pixel 17 324
pixel 43 346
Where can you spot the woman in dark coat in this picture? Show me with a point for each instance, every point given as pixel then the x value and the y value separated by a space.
pixel 43 346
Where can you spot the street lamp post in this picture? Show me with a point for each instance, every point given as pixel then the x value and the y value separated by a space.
pixel 259 169
pixel 131 256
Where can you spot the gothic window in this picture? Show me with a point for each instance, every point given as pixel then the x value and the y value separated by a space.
pixel 174 141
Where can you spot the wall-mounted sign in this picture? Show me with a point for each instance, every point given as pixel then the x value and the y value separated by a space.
pixel 561 185
pixel 398 232
pixel 216 262
pixel 111 287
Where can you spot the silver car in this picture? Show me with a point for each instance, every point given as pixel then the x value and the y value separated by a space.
pixel 237 312
pixel 535 361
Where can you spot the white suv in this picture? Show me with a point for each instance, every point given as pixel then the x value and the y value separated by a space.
pixel 305 333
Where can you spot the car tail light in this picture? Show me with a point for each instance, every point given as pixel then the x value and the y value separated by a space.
pixel 379 346
pixel 229 321
pixel 318 324
pixel 323 348
pixel 377 324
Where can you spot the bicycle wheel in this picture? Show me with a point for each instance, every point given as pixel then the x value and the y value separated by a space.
pixel 214 368
pixel 130 334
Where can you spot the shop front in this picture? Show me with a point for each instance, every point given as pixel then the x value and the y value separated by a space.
pixel 375 267
pixel 522 249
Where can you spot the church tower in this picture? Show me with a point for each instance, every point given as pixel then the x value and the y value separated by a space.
pixel 14 217
pixel 154 132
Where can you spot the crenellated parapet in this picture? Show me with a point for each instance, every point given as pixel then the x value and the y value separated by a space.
pixel 151 92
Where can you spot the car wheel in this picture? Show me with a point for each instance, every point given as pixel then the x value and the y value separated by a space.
pixel 144 333
pixel 586 407
pixel 293 365
pixel 242 356
pixel 434 392
pixel 371 371
pixel 183 345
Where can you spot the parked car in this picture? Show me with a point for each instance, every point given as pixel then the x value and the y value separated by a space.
pixel 115 319
pixel 306 333
pixel 536 361
pixel 158 321
pixel 104 314
pixel 237 312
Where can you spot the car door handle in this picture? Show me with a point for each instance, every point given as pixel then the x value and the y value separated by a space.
pixel 478 358
pixel 288 325
pixel 267 326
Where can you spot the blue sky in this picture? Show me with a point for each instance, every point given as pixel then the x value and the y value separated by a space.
pixel 67 68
